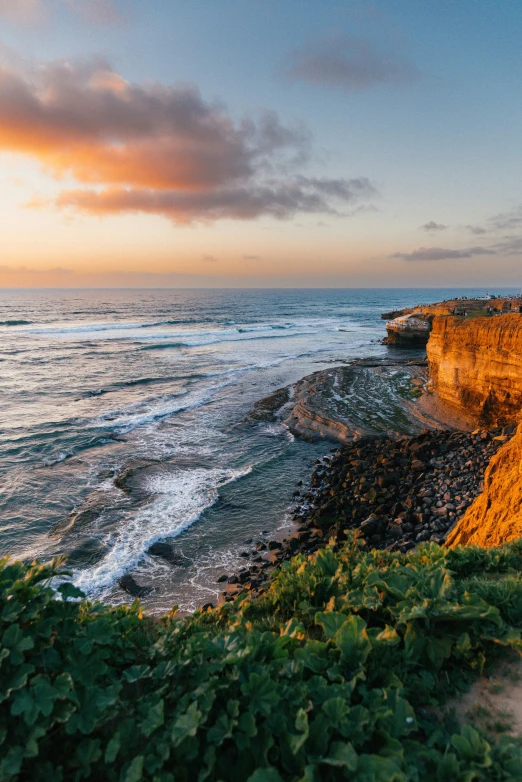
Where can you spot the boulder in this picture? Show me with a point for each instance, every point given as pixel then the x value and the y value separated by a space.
pixel 131 586
pixel 168 553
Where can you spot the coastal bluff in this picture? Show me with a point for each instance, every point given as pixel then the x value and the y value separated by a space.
pixel 475 366
pixel 496 515
pixel 412 326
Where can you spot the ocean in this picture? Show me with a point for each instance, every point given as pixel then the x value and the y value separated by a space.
pixel 154 385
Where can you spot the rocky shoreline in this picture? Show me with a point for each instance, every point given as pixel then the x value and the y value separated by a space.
pixel 363 398
pixel 409 465
pixel 396 493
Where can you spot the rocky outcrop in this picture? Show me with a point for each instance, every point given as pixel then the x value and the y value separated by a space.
pixel 475 366
pixel 367 398
pixel 409 330
pixel 346 403
pixel 496 515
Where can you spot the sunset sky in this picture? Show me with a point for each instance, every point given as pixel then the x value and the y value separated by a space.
pixel 260 143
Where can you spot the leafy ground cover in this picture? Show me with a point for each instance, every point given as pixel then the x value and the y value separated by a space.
pixel 333 674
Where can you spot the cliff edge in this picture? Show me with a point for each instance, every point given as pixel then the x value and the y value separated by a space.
pixel 475 366
pixel 496 515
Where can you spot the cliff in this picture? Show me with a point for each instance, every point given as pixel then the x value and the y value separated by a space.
pixel 412 325
pixel 477 306
pixel 475 366
pixel 496 515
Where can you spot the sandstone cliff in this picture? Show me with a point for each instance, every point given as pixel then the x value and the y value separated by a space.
pixel 475 366
pixel 496 515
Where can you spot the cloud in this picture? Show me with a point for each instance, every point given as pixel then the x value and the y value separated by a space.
pixel 251 257
pixel 352 63
pixel 20 10
pixel 209 259
pixel 477 230
pixel 441 254
pixel 281 200
pixel 504 221
pixel 433 226
pixel 25 270
pixel 160 149
pixel 509 245
pixel 30 11
pixel 97 11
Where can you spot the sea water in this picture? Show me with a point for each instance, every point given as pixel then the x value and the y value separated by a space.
pixel 155 385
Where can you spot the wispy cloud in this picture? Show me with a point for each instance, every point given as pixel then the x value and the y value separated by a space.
pixel 477 230
pixel 209 259
pixel 352 63
pixel 161 149
pixel 20 10
pixel 509 245
pixel 433 227
pixel 441 253
pixel 503 221
pixel 26 270
pixel 30 11
pixel 506 221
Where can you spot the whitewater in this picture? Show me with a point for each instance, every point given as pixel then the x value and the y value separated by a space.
pixel 155 385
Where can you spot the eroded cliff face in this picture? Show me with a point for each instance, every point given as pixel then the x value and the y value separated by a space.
pixel 475 366
pixel 496 515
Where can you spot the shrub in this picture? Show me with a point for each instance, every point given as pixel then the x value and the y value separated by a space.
pixel 330 675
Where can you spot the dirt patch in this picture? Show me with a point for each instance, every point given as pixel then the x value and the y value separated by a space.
pixel 494 703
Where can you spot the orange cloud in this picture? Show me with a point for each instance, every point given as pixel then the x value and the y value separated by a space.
pixel 159 149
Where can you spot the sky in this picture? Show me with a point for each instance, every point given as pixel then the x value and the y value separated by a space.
pixel 260 143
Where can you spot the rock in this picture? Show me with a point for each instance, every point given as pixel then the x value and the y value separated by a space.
pixel 86 513
pixel 222 578
pixel 129 479
pixel 496 516
pixel 168 553
pixel 266 409
pixel 131 586
pixel 274 544
pixel 369 525
pixel 207 607
pixel 408 330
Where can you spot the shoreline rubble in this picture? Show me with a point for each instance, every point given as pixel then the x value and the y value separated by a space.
pixel 396 493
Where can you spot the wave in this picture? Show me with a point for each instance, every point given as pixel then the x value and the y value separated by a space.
pixel 15 322
pixel 278 429
pixel 181 322
pixel 88 327
pixel 164 346
pixel 124 422
pixel 233 328
pixel 203 343
pixel 140 381
pixel 52 461
pixel 180 499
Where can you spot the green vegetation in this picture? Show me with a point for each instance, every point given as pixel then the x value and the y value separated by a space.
pixel 330 675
